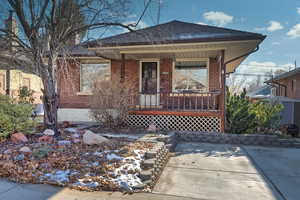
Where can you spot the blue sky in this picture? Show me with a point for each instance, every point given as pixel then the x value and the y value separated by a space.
pixel 278 19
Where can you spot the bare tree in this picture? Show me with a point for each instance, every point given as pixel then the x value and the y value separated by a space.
pixel 46 26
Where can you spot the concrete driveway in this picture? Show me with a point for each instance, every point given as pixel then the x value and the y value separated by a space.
pixel 214 171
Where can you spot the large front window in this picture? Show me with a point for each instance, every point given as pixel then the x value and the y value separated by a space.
pixel 91 72
pixel 190 76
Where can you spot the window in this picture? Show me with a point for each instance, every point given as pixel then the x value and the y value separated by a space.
pixel 91 72
pixel 2 83
pixel 26 82
pixel 294 83
pixel 191 76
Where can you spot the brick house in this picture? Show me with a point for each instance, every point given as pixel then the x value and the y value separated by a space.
pixel 178 69
pixel 286 84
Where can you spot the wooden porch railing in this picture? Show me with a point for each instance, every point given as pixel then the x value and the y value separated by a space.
pixel 172 101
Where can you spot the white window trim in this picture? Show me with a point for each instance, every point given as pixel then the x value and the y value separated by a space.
pixel 189 60
pixel 158 73
pixel 86 93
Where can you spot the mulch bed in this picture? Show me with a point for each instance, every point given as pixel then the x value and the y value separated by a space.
pixel 67 161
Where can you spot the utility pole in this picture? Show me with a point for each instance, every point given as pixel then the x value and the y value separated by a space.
pixel 9 26
pixel 295 64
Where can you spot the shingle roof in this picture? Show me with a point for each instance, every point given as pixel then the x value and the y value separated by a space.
pixel 175 32
pixel 285 75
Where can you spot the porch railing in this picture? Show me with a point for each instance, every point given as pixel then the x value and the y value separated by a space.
pixel 172 101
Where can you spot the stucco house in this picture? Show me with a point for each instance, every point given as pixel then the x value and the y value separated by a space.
pixel 179 71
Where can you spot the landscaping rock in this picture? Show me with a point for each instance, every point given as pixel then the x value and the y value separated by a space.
pixel 49 132
pixel 91 138
pixel 19 157
pixel 46 138
pixel 18 137
pixel 64 142
pixel 66 124
pixel 25 150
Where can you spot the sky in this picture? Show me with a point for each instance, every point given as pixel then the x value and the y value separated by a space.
pixel 278 19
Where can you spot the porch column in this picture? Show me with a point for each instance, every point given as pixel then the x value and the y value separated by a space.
pixel 223 92
pixel 122 71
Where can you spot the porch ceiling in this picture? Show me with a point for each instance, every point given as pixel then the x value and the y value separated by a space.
pixel 189 50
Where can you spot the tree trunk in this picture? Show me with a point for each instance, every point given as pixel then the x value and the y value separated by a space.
pixel 50 99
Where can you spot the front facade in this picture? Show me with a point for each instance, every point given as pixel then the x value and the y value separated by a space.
pixel 287 84
pixel 177 70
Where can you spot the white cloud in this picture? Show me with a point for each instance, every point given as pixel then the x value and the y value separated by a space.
pixel 275 43
pixel 262 67
pixel 294 32
pixel 201 23
pixel 274 26
pixel 298 11
pixel 218 18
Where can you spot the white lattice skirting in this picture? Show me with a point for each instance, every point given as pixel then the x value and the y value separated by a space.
pixel 179 123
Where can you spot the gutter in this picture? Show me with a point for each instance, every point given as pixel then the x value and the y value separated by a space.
pixel 241 56
pixel 279 84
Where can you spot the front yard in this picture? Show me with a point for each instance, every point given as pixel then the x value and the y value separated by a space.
pixel 114 164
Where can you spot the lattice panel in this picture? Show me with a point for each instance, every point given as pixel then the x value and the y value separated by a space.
pixel 172 122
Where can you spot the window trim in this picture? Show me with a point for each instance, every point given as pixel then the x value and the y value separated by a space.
pixel 189 60
pixel 86 93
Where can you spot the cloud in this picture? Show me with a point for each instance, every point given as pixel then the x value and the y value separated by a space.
pixel 298 10
pixel 274 26
pixel 201 23
pixel 275 43
pixel 294 32
pixel 256 67
pixel 218 18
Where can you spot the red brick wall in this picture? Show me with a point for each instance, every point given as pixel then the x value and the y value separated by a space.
pixel 69 83
pixel 69 86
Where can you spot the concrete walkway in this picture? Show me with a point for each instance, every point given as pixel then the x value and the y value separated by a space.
pixel 198 171
pixel 211 171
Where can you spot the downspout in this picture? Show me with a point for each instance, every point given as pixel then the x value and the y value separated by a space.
pixel 224 67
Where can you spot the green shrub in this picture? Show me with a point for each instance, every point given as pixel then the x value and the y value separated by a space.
pixel 267 115
pixel 239 118
pixel 15 117
pixel 26 95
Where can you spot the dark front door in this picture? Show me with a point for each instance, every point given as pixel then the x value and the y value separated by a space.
pixel 149 83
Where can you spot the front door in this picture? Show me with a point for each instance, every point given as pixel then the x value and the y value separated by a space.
pixel 149 84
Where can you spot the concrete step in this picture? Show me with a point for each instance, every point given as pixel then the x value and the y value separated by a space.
pixel 146 174
pixel 149 163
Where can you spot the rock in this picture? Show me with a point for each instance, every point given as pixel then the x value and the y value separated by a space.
pixel 8 151
pixel 19 157
pixel 76 140
pixel 25 150
pixel 18 137
pixel 91 138
pixel 64 142
pixel 42 152
pixel 46 138
pixel 49 132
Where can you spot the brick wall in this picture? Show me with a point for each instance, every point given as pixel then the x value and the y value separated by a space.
pixel 69 80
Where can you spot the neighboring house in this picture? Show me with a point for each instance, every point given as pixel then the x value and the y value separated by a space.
pixel 286 84
pixel 261 93
pixel 12 79
pixel 178 69
pixel 286 88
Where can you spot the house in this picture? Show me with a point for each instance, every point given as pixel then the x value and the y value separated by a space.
pixel 178 69
pixel 12 78
pixel 261 93
pixel 286 84
pixel 286 89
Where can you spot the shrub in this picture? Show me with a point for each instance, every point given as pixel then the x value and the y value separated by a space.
pixel 15 117
pixel 110 103
pixel 26 95
pixel 267 115
pixel 239 118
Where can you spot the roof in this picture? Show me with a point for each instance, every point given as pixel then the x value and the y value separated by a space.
pixel 286 75
pixel 261 92
pixel 175 32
